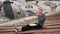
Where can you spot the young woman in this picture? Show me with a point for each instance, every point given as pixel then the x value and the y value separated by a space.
pixel 41 20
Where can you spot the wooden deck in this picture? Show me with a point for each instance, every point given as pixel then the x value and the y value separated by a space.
pixel 52 26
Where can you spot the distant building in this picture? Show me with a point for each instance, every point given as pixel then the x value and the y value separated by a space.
pixel 30 6
pixel 42 0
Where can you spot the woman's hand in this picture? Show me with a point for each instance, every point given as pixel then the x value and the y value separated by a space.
pixel 39 11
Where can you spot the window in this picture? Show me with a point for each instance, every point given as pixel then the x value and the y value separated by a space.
pixel 14 0
pixel 29 6
pixel 29 0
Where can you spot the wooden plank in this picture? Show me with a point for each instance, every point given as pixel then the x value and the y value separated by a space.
pixel 41 31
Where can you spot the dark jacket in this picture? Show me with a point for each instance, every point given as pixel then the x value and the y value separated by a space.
pixel 41 19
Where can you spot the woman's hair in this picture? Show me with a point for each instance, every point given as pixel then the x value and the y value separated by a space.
pixel 40 9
